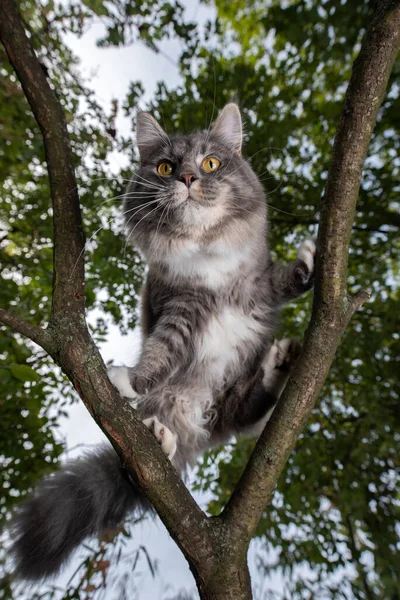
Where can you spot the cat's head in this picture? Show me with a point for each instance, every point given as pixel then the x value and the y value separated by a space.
pixel 187 185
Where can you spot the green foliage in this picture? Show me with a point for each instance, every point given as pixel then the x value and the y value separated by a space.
pixel 125 21
pixel 288 64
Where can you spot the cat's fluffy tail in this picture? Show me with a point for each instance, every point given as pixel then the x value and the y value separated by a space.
pixel 85 498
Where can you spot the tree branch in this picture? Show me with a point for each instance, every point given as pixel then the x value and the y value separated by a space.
pixel 33 332
pixel 332 307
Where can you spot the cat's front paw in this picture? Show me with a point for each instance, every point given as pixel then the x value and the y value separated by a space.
pixel 283 354
pixel 119 377
pixel 140 383
pixel 163 435
pixel 129 384
pixel 306 253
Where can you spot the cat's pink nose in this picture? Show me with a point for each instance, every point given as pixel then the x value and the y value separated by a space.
pixel 188 178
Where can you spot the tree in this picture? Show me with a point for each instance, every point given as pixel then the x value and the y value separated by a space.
pixel 268 447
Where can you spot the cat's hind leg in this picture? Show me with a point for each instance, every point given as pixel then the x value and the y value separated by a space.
pixel 163 435
pixel 248 405
pixel 277 365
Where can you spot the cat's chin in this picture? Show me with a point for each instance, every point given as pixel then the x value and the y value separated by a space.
pixel 200 213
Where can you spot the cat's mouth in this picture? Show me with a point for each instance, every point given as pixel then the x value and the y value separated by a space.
pixel 192 194
pixel 197 196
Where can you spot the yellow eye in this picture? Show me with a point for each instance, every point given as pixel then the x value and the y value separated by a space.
pixel 165 169
pixel 210 164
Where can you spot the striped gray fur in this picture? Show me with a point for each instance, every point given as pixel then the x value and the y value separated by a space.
pixel 209 269
pixel 208 367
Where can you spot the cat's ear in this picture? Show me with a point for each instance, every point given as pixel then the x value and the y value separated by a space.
pixel 228 127
pixel 149 133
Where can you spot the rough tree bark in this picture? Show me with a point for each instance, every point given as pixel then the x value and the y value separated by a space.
pixel 215 548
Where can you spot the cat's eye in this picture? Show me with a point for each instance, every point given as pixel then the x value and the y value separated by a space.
pixel 165 169
pixel 210 164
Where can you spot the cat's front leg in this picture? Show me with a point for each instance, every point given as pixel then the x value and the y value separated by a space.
pixel 307 253
pixel 134 382
pixel 164 351
pixel 292 280
pixel 167 349
pixel 119 377
pixel 130 382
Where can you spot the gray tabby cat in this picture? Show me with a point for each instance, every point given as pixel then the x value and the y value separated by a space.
pixel 209 367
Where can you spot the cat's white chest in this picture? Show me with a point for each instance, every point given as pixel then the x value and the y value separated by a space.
pixel 210 266
pixel 221 346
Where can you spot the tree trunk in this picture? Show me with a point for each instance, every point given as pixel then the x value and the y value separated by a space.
pixel 230 581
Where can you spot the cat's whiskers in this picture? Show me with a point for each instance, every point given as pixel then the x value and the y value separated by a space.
pixel 137 209
pixel 139 191
pixel 246 197
pixel 138 223
pixel 166 208
pixel 129 195
pixel 84 184
pixel 147 189
pixel 152 183
pixel 150 186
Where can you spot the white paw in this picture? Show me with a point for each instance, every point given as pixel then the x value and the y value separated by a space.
pixel 282 354
pixel 119 377
pixel 306 253
pixel 163 435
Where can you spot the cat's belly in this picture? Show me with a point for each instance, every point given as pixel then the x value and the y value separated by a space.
pixel 224 346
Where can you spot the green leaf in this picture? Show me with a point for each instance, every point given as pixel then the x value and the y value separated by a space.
pixel 24 373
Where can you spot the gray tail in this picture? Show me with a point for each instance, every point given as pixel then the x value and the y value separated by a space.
pixel 88 496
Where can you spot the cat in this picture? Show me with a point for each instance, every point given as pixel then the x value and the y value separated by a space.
pixel 209 366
